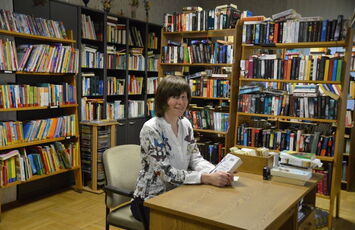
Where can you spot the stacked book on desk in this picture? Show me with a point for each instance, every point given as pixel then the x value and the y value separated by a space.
pixel 295 167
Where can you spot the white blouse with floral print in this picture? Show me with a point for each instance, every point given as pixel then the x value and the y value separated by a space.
pixel 168 160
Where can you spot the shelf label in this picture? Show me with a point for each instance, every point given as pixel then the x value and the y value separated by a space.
pixel 54 106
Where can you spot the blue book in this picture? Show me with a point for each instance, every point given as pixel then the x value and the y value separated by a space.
pixel 334 71
pixel 288 132
pixel 32 163
pixel 245 137
pixel 257 34
pixel 323 36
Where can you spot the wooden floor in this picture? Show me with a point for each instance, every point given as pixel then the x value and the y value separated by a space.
pixel 70 210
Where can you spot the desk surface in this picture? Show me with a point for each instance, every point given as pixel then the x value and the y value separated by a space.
pixel 251 203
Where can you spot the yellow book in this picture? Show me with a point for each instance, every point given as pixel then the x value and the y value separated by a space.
pixel 309 65
pixel 326 70
pixel 13 168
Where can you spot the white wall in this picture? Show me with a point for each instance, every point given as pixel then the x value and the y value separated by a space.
pixel 328 9
pixel 157 9
pixel 6 4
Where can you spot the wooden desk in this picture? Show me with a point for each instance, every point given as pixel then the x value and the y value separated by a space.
pixel 251 203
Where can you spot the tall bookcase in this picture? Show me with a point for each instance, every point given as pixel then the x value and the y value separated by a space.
pixel 38 112
pixel 128 54
pixel 214 139
pixel 348 174
pixel 247 119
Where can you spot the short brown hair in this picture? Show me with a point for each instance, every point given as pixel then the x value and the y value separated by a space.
pixel 170 86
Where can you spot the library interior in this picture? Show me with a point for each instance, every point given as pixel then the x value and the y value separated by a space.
pixel 189 114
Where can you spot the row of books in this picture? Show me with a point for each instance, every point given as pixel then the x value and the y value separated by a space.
pixel 208 119
pixel 209 87
pixel 288 139
pixel 135 37
pixel 13 132
pixel 21 164
pixel 322 107
pixel 197 19
pixel 307 29
pixel 48 58
pixel 115 86
pixel 45 94
pixel 31 25
pixel 316 68
pixel 91 109
pixel 153 41
pixel 213 152
pixel 87 27
pixel 91 57
pixel 136 62
pixel 324 186
pixel 115 59
pixel 152 62
pixel 135 108
pixel 8 55
pixel 135 84
pixel 152 85
pixel 198 51
pixel 92 85
pixel 115 110
pixel 115 31
pixel 38 58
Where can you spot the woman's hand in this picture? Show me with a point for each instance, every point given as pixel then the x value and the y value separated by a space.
pixel 218 179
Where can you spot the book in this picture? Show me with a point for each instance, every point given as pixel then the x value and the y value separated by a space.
pixel 229 163
pixel 293 173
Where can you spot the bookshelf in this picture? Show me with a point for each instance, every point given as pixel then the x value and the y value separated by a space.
pixel 96 137
pixel 39 110
pixel 254 127
pixel 130 52
pixel 205 54
pixel 348 163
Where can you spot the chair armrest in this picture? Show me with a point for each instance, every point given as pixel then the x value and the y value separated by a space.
pixel 109 188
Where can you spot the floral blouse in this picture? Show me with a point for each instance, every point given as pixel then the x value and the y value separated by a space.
pixel 168 160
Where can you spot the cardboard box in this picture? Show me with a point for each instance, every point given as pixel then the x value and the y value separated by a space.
pixel 254 164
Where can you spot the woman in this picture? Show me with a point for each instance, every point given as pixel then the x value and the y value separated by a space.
pixel 170 156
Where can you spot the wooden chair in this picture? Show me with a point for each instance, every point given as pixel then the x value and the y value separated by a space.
pixel 122 164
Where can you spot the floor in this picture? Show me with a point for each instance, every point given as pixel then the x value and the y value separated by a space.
pixel 70 210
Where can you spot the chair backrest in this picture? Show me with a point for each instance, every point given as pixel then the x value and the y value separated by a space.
pixel 122 164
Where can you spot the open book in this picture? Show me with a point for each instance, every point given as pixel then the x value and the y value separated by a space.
pixel 229 163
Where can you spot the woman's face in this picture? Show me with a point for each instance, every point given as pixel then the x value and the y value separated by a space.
pixel 177 105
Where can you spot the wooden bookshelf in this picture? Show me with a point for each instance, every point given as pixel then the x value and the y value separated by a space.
pixel 196 64
pixel 24 114
pixel 211 98
pixel 289 81
pixel 336 160
pixel 36 37
pixel 39 107
pixel 226 137
pixel 95 142
pixel 286 117
pixel 298 45
pixel 38 177
pixel 31 143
